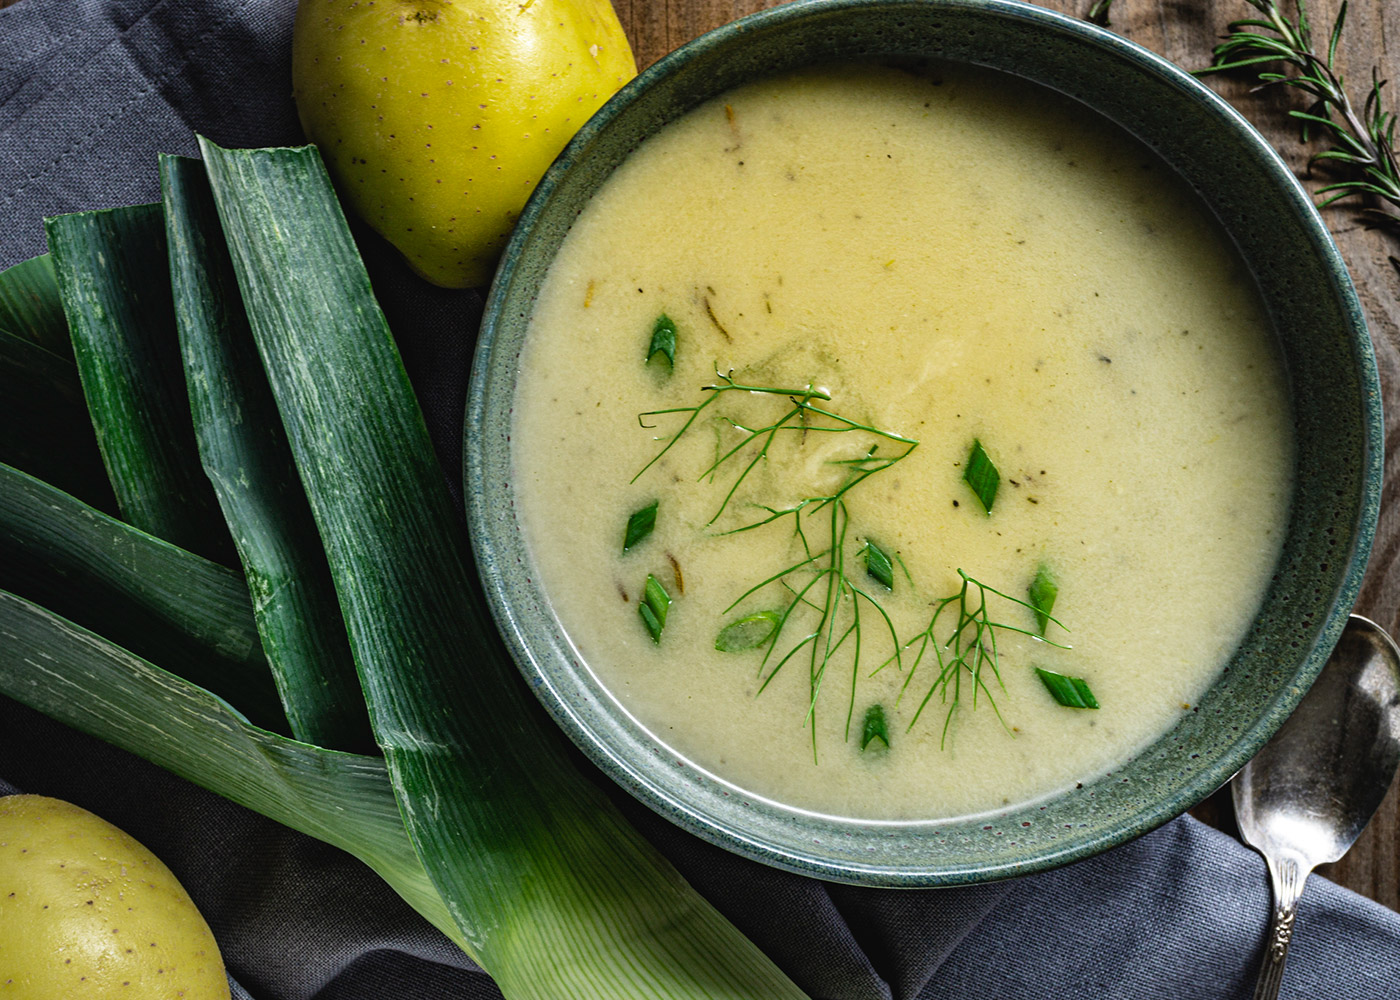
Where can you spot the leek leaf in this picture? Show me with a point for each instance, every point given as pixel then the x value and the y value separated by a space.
pixel 114 279
pixel 878 565
pixel 30 305
pixel 1071 692
pixel 93 685
pixel 640 525
pixel 245 453
pixel 663 341
pixel 748 632
pixel 157 600
pixel 981 474
pixel 654 606
pixel 874 728
pixel 44 425
pixel 1042 593
pixel 555 893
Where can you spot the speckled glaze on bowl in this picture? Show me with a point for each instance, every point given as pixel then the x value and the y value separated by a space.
pixel 1333 382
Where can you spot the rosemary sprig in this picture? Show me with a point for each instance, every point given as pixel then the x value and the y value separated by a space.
pixel 1361 140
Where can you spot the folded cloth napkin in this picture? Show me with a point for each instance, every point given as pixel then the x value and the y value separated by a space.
pixel 90 91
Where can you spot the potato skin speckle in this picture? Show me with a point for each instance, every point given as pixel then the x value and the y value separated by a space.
pixel 78 896
pixel 510 66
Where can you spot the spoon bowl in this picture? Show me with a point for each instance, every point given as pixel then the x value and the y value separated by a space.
pixel 1308 794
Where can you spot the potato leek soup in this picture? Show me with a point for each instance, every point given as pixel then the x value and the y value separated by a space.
pixel 900 446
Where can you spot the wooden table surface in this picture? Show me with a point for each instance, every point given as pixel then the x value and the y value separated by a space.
pixel 1184 32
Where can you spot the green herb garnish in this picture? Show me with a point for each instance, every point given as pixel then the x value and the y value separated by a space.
pixel 639 525
pixel 969 651
pixel 982 475
pixel 1071 692
pixel 663 340
pixel 653 606
pixel 1362 138
pixel 825 601
pixel 878 565
pixel 818 584
pixel 748 632
pixel 874 728
pixel 1043 592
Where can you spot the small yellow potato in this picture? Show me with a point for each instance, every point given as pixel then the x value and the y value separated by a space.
pixel 87 912
pixel 437 118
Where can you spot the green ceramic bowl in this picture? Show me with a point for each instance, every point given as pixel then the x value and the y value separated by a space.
pixel 1320 328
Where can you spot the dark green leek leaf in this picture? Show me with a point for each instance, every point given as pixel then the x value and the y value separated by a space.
pixel 556 894
pixel 654 606
pixel 93 685
pixel 1043 591
pixel 245 453
pixel 878 565
pixel 981 474
pixel 874 728
pixel 663 340
pixel 1071 692
pixel 748 632
pixel 31 307
pixel 157 600
pixel 640 525
pixel 115 280
pixel 44 425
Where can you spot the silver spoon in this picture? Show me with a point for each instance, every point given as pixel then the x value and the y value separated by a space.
pixel 1306 797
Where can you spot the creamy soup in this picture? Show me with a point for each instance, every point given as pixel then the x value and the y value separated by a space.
pixel 962 283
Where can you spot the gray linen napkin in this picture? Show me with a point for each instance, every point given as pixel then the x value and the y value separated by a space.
pixel 90 91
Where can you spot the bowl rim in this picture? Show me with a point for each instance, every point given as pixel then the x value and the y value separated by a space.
pixel 664 800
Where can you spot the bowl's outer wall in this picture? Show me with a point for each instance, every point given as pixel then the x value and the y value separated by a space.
pixel 1323 340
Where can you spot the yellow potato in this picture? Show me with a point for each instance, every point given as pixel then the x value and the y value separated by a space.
pixel 87 912
pixel 436 118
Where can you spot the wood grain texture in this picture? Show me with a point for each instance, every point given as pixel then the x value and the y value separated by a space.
pixel 1184 31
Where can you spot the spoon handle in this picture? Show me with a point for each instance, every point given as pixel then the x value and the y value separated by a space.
pixel 1288 874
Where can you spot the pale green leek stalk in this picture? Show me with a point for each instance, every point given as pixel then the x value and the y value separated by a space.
pixel 554 893
pixel 86 682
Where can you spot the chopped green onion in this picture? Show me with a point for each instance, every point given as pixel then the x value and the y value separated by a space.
pixel 878 565
pixel 982 475
pixel 1071 692
pixel 663 340
pixel 1043 592
pixel 653 607
pixel 748 632
pixel 639 525
pixel 874 728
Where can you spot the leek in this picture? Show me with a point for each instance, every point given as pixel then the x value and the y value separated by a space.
pixel 244 451
pixel 31 307
pixel 113 276
pixel 44 426
pixel 86 682
pixel 160 601
pixel 554 892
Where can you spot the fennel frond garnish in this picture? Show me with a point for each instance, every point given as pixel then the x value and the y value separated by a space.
pixel 968 653
pixel 827 602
